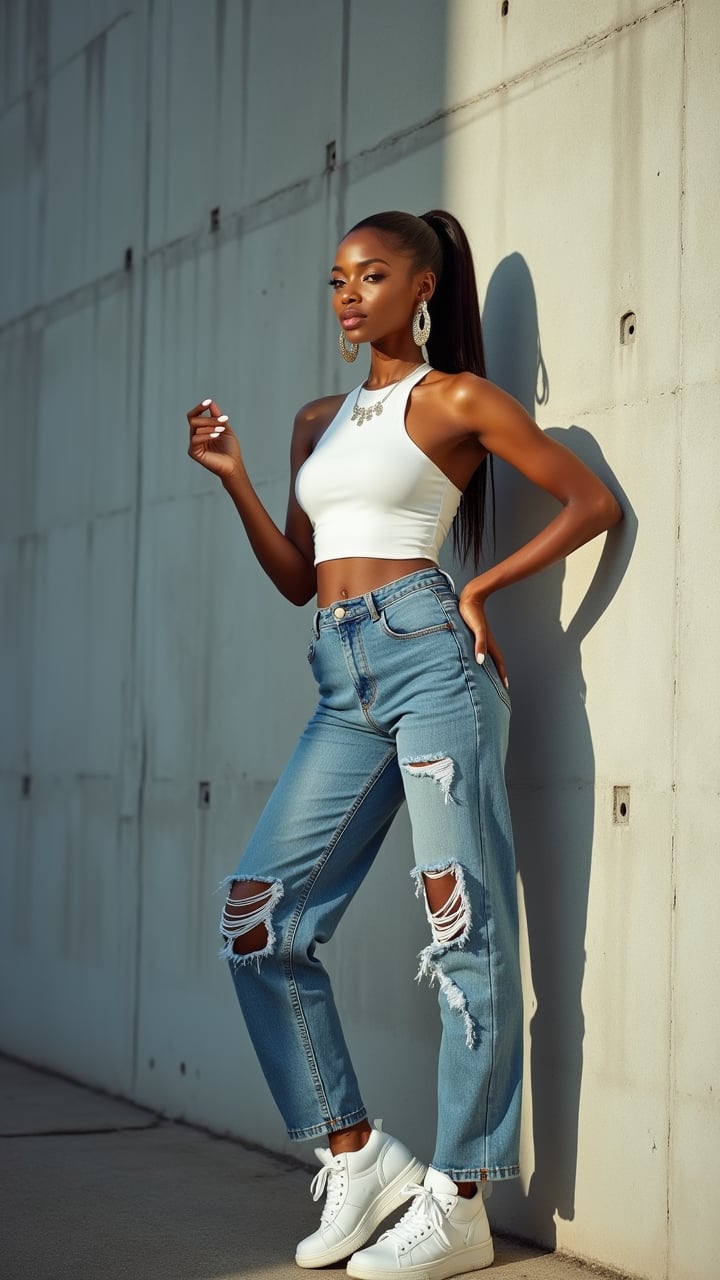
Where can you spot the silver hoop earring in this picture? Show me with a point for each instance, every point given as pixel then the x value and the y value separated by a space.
pixel 421 324
pixel 348 350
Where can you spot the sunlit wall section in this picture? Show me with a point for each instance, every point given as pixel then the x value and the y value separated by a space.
pixel 695 1044
pixel 580 161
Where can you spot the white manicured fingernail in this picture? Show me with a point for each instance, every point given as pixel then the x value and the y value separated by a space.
pixel 223 417
pixel 506 682
pixel 480 657
pixel 205 403
pixel 214 435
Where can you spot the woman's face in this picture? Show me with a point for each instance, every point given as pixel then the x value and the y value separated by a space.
pixel 375 287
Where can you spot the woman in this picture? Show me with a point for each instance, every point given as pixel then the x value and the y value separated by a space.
pixel 414 705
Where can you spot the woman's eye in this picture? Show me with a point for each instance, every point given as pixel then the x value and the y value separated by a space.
pixel 334 283
pixel 375 276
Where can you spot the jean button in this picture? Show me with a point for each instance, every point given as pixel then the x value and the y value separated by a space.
pixel 339 612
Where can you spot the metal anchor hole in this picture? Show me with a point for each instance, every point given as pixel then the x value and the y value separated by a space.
pixel 621 806
pixel 628 328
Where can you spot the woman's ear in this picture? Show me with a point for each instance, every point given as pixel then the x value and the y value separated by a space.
pixel 426 286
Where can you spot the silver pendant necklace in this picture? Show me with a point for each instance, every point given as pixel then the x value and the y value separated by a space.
pixel 362 414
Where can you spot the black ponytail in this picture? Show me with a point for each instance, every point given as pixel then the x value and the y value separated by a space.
pixel 437 241
pixel 456 346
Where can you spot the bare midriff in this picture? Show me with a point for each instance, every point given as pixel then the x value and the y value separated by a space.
pixel 343 579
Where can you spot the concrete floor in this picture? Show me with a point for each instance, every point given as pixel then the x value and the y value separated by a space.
pixel 92 1187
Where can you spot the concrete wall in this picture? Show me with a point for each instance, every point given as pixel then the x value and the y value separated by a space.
pixel 144 653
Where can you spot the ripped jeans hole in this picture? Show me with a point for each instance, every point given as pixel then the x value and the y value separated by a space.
pixel 246 920
pixel 440 769
pixel 450 926
pixel 450 920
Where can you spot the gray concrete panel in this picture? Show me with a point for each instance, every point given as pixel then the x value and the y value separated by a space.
pixel 70 28
pixel 18 366
pixel 396 70
pixel 701 316
pixel 91 164
pixel 292 111
pixel 17 560
pixel 15 211
pixel 183 86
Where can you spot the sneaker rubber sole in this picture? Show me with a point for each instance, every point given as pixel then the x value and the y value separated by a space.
pixel 389 1199
pixel 456 1263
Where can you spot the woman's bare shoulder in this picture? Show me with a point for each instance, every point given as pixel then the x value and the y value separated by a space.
pixel 313 418
pixel 456 386
pixel 459 398
pixel 319 412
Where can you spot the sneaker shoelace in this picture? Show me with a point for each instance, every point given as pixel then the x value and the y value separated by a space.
pixel 425 1212
pixel 330 1177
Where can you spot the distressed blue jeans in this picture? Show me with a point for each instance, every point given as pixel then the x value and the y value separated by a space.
pixel 404 712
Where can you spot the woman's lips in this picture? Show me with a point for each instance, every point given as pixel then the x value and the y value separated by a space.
pixel 351 322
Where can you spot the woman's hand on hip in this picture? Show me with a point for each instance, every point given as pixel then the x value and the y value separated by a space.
pixel 472 612
pixel 213 442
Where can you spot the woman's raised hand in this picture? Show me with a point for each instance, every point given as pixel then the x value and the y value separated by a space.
pixel 213 442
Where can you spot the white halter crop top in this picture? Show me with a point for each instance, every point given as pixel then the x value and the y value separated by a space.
pixel 370 490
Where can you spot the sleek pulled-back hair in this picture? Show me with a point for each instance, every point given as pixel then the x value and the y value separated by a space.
pixel 436 241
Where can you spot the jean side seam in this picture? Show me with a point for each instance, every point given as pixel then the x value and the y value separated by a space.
pixel 482 843
pixel 292 927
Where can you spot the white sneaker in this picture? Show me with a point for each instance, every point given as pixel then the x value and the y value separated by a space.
pixel 363 1187
pixel 442 1234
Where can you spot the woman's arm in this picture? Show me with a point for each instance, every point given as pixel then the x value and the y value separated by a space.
pixel 287 558
pixel 588 507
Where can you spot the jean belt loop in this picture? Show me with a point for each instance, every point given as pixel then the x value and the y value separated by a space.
pixel 316 624
pixel 368 598
pixel 452 584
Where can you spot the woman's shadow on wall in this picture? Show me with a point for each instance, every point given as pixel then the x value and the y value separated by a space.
pixel 551 764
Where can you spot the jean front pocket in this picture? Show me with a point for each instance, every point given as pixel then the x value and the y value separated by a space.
pixel 466 643
pixel 493 675
pixel 417 614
